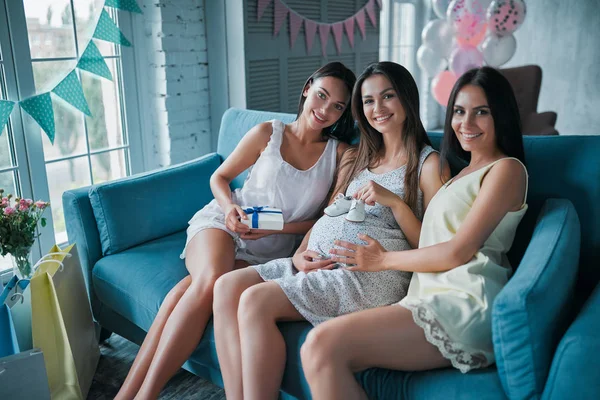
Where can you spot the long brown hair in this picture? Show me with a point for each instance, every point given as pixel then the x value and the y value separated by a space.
pixel 343 128
pixel 414 137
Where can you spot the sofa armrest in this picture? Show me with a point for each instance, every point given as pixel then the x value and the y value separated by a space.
pixel 575 371
pixel 533 310
pixel 148 206
pixel 82 230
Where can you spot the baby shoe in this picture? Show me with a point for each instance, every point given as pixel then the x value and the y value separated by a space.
pixel 357 211
pixel 340 206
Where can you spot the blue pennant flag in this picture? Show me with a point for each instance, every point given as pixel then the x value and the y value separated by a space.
pixel 6 108
pixel 40 109
pixel 107 30
pixel 125 5
pixel 92 61
pixel 71 91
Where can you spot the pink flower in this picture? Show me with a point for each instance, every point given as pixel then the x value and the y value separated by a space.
pixel 9 211
pixel 29 202
pixel 41 204
pixel 4 202
pixel 23 206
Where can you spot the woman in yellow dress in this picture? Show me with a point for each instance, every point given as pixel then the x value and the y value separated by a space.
pixel 459 267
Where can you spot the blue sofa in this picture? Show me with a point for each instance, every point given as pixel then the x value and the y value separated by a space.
pixel 130 233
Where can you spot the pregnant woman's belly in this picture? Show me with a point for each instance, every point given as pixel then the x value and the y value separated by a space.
pixel 329 229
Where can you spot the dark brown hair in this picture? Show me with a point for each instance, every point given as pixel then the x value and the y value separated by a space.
pixel 370 146
pixel 504 109
pixel 343 128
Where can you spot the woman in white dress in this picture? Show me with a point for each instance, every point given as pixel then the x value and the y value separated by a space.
pixel 459 267
pixel 395 172
pixel 292 168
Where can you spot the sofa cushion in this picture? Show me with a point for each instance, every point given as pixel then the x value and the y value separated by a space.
pixel 138 209
pixel 135 282
pixel 532 312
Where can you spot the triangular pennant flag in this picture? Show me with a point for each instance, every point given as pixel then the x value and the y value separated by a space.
pixel 311 28
pixel 281 11
pixel 70 90
pixel 6 108
pixel 349 25
pixel 338 32
pixel 262 4
pixel 107 30
pixel 40 109
pixel 92 61
pixel 360 21
pixel 379 3
pixel 295 24
pixel 370 7
pixel 324 35
pixel 125 5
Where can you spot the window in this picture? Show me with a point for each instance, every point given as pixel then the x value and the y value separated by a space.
pixel 87 150
pixel 399 34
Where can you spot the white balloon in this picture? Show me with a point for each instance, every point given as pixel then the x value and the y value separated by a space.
pixel 497 50
pixel 430 61
pixel 440 7
pixel 438 35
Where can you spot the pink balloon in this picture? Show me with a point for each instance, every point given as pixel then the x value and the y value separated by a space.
pixel 472 40
pixel 463 59
pixel 442 85
pixel 468 18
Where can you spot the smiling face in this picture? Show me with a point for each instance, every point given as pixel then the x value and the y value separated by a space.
pixel 326 100
pixel 381 105
pixel 472 120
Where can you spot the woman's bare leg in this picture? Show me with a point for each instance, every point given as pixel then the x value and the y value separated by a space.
pixel 210 254
pixel 262 345
pixel 227 293
pixel 140 366
pixel 385 337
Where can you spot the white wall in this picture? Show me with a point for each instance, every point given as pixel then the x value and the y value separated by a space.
pixel 563 38
pixel 171 51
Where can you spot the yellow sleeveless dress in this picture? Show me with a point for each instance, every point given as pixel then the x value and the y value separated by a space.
pixel 454 307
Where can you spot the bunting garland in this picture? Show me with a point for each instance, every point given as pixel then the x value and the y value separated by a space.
pixel 69 89
pixel 281 11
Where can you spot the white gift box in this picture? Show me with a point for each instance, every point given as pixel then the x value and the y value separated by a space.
pixel 263 218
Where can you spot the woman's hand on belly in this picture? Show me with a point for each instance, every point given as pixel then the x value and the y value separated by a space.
pixel 309 260
pixel 365 258
pixel 254 234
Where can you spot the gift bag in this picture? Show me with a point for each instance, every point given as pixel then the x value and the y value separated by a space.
pixel 8 337
pixel 23 376
pixel 62 324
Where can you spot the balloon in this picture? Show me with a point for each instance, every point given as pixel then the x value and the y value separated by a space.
pixel 442 85
pixel 438 36
pixel 506 16
pixel 463 59
pixel 430 61
pixel 440 7
pixel 497 50
pixel 473 40
pixel 468 19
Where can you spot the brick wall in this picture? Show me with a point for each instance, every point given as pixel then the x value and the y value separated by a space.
pixel 174 81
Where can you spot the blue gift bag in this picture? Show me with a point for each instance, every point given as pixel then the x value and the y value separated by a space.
pixel 8 338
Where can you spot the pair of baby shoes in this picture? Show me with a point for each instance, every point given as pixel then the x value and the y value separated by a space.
pixel 353 208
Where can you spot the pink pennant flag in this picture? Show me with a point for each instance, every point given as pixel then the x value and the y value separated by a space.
pixel 379 4
pixel 324 35
pixel 311 29
pixel 281 12
pixel 349 24
pixel 262 5
pixel 360 21
pixel 370 7
pixel 338 32
pixel 295 24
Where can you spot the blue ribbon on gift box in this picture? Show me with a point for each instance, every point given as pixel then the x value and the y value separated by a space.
pixel 255 211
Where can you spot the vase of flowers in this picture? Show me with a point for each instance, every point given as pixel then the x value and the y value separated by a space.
pixel 18 223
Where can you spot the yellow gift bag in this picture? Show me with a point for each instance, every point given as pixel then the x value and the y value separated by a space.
pixel 62 324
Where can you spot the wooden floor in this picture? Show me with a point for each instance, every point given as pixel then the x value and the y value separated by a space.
pixel 118 355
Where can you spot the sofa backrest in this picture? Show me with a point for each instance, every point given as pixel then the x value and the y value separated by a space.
pixel 559 167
